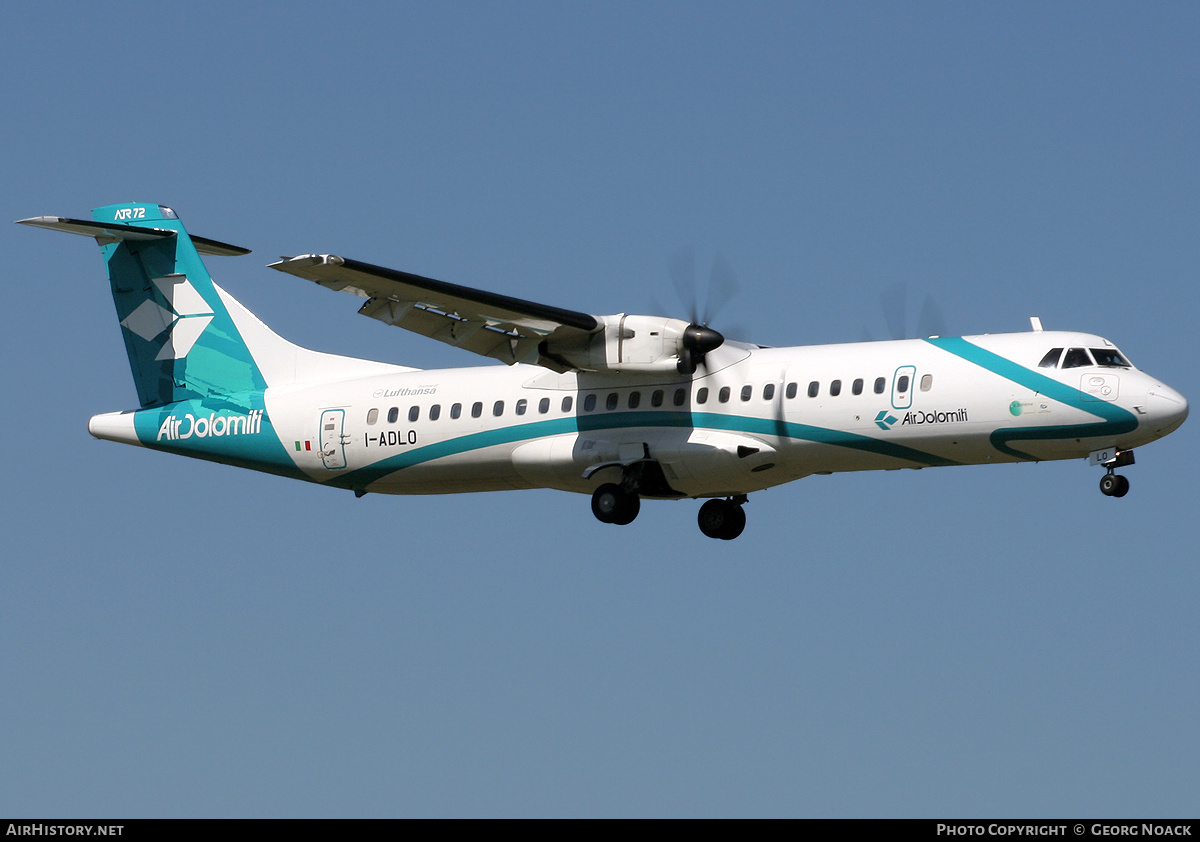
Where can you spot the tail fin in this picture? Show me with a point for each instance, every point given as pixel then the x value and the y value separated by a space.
pixel 188 339
pixel 181 340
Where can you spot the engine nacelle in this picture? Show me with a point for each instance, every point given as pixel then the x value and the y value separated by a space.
pixel 651 344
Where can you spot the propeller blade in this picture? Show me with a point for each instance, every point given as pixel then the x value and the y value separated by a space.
pixel 895 309
pixel 682 267
pixel 931 322
pixel 722 286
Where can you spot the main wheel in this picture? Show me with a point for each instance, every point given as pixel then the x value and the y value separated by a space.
pixel 721 519
pixel 613 504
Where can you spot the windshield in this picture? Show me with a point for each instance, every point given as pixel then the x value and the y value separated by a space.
pixel 1110 357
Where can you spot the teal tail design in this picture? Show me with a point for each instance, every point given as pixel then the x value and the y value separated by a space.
pixel 202 363
pixel 180 338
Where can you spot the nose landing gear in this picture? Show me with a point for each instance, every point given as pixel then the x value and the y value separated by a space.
pixel 1113 484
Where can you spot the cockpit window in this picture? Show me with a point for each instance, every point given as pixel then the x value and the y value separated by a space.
pixel 1110 357
pixel 1051 358
pixel 1076 357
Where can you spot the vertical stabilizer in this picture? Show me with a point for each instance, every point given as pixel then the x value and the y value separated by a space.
pixel 187 339
pixel 180 338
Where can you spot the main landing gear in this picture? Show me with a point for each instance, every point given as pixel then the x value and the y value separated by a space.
pixel 612 503
pixel 724 519
pixel 1113 484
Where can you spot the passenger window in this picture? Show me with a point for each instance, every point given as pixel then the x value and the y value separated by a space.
pixel 372 416
pixel 393 414
pixel 835 388
pixel 723 395
pixel 498 408
pixel 902 383
pixel 611 401
pixel 857 387
pixel 768 391
pixel 589 403
pixel 1051 358
pixel 477 409
pixel 435 412
pixel 814 389
pixel 456 410
pixel 680 397
pixel 656 399
pixel 521 405
pixel 702 395
pixel 1076 357
pixel 792 388
pixel 747 392
pixel 543 406
pixel 414 413
pixel 880 385
pixel 635 400
pixel 566 404
pixel 926 382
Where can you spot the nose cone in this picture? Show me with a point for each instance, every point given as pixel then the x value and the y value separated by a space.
pixel 1168 409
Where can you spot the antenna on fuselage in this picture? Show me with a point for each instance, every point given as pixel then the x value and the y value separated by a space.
pixel 1036 323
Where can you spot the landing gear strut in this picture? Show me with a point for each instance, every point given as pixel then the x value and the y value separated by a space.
pixel 724 519
pixel 1113 484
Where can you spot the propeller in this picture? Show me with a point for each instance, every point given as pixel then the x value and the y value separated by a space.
pixel 894 301
pixel 699 338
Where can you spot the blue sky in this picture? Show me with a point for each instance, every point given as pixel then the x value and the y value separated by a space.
pixel 188 639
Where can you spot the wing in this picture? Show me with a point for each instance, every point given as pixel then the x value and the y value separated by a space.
pixel 498 326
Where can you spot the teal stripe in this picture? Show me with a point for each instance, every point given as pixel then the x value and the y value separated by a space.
pixel 450 447
pixel 1116 421
pixel 625 420
pixel 838 438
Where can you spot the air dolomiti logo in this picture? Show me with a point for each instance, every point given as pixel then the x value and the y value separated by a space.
pixel 176 429
pixel 885 420
pixel 183 323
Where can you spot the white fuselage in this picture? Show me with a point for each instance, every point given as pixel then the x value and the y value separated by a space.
pixel 750 419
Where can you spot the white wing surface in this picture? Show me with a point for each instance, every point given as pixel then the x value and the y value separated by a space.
pixel 499 326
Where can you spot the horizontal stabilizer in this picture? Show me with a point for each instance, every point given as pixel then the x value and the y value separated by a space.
pixel 115 232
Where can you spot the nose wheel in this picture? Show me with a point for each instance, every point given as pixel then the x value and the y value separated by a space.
pixel 1114 485
pixel 723 519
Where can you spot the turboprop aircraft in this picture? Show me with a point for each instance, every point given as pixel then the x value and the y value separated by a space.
pixel 621 407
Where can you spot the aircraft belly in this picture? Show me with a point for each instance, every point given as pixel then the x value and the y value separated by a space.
pixel 553 462
pixel 485 469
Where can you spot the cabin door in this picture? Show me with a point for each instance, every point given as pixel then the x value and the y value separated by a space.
pixel 902 386
pixel 333 438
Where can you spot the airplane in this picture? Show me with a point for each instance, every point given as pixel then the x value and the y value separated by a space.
pixel 621 407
